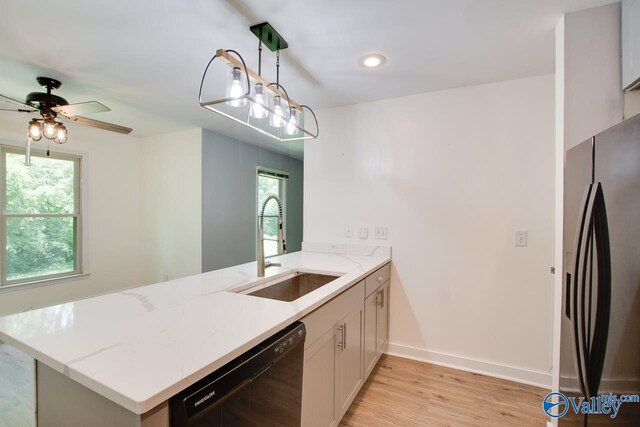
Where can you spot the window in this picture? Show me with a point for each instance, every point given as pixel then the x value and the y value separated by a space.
pixel 41 217
pixel 271 182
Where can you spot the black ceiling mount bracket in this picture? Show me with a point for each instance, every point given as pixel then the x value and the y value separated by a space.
pixel 269 36
pixel 49 83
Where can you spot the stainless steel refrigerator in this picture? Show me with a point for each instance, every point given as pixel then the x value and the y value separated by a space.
pixel 600 335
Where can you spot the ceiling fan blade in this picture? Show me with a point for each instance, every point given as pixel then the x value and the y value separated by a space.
pixel 14 110
pixel 100 125
pixel 11 104
pixel 90 107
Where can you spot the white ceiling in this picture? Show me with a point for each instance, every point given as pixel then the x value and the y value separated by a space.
pixel 145 58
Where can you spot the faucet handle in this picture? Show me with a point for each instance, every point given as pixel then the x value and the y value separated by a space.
pixel 272 264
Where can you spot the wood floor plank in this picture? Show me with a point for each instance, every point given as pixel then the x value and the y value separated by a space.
pixel 17 388
pixel 403 392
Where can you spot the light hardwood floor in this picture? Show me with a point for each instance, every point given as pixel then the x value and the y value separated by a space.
pixel 399 392
pixel 17 389
pixel 403 392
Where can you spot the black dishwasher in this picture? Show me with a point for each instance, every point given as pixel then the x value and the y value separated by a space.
pixel 263 387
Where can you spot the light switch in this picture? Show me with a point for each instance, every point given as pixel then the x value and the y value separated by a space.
pixel 364 232
pixel 381 233
pixel 348 232
pixel 521 238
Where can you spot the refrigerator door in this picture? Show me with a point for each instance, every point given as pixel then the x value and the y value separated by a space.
pixel 617 168
pixel 600 335
pixel 578 176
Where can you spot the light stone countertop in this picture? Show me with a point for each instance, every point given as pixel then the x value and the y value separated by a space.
pixel 141 346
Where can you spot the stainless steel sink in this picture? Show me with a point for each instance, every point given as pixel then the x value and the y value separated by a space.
pixel 290 288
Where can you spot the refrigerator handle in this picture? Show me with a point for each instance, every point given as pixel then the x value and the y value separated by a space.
pixel 597 352
pixel 578 282
pixel 567 296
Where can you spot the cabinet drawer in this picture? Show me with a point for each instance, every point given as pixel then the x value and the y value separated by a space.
pixel 377 278
pixel 326 316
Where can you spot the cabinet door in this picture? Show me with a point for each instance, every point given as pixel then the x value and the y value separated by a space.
pixel 319 382
pixel 351 372
pixel 382 329
pixel 370 332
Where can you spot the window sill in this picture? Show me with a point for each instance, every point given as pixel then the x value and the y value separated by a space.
pixel 42 282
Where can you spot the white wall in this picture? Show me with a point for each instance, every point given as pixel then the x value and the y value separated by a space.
pixel 112 216
pixel 172 205
pixel 589 99
pixel 453 174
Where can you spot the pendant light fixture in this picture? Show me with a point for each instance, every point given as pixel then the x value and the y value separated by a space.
pixel 251 100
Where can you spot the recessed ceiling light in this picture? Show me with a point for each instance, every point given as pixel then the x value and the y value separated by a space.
pixel 373 60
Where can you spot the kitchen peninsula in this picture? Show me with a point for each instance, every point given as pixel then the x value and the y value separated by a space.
pixel 136 348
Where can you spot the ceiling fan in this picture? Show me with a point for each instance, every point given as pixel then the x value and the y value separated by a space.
pixel 50 106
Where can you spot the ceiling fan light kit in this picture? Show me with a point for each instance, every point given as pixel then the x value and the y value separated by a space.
pixel 50 106
pixel 251 100
pixel 49 128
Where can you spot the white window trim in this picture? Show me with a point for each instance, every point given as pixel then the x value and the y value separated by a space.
pixel 283 180
pixel 82 270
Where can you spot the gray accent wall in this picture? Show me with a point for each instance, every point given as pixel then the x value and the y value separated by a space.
pixel 229 199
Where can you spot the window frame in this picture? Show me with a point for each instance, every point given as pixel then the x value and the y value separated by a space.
pixel 283 177
pixel 77 215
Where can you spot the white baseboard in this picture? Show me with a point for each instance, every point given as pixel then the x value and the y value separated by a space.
pixel 511 373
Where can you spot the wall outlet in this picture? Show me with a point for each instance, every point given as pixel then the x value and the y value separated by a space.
pixel 364 233
pixel 348 232
pixel 521 238
pixel 381 233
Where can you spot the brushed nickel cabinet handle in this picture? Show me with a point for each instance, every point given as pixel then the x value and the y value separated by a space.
pixel 344 337
pixel 379 279
pixel 341 340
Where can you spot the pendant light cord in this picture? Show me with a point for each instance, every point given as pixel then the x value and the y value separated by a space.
pixel 278 68
pixel 260 58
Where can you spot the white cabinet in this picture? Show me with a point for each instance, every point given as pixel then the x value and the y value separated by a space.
pixel 319 382
pixel 350 377
pixel 382 332
pixel 333 372
pixel 345 338
pixel 376 329
pixel 370 333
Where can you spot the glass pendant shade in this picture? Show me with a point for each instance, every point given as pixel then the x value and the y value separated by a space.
pixel 235 88
pixel 61 134
pixel 49 128
pixel 259 102
pixel 291 128
pixel 276 120
pixel 35 130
